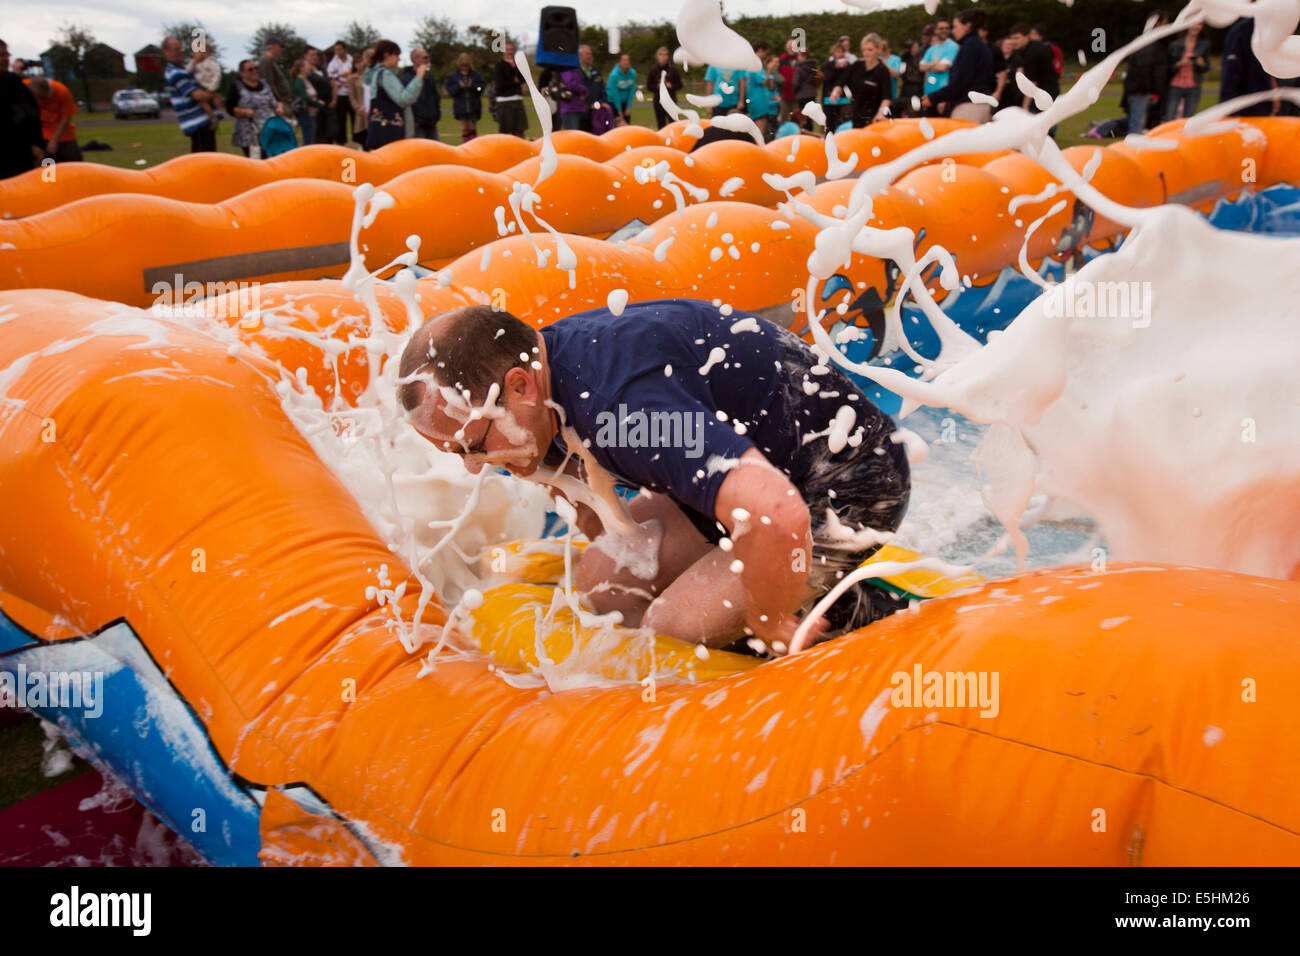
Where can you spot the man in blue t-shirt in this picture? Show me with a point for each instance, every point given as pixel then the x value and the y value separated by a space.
pixel 186 96
pixel 727 84
pixel 772 475
pixel 938 59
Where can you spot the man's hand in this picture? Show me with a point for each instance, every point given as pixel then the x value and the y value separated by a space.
pixel 589 522
pixel 52 147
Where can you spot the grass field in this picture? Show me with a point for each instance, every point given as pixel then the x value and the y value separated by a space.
pixel 139 144
pixel 22 744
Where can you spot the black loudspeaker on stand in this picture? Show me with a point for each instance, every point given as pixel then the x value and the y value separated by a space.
pixel 557 43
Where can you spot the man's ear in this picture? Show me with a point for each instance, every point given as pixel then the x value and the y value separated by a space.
pixel 519 382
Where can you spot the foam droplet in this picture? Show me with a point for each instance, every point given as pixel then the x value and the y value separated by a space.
pixel 617 301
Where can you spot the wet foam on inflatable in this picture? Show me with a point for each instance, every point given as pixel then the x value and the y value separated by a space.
pixel 168 527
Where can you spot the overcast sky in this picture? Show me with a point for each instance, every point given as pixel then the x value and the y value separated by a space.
pixel 128 25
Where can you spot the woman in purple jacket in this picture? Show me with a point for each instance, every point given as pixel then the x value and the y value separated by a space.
pixel 572 94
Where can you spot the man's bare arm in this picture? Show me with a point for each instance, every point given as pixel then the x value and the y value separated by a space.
pixel 753 491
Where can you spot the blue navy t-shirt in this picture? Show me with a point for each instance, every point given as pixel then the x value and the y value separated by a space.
pixel 659 408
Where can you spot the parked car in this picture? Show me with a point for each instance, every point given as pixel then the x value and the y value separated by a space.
pixel 133 102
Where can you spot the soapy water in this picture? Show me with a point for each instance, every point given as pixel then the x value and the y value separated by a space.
pixel 1081 437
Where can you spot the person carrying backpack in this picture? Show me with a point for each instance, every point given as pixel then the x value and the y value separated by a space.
pixel 390 102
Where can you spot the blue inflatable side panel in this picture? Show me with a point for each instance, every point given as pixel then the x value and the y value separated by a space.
pixel 129 718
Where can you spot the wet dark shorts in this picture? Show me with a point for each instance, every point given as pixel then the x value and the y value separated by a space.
pixel 867 489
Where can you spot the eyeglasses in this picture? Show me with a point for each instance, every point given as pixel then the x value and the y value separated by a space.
pixel 480 446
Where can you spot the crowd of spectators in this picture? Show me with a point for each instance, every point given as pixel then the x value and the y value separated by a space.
pixel 367 98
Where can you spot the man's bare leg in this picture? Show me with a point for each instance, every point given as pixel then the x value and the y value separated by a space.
pixel 704 605
pixel 609 589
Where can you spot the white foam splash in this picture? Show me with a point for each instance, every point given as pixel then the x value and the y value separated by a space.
pixel 1040 379
pixel 705 38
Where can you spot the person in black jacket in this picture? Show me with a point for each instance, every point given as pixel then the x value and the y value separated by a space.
pixel 1189 60
pixel 508 84
pixel 971 72
pixel 427 110
pixel 672 80
pixel 835 78
pixel 465 87
pixel 1006 90
pixel 1036 64
pixel 1144 82
pixel 327 117
pixel 20 122
pixel 868 83
pixel 1241 72
pixel 912 83
pixel 807 79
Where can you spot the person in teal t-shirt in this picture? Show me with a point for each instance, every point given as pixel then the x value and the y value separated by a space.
pixel 758 90
pixel 720 81
pixel 938 60
pixel 620 89
pixel 895 66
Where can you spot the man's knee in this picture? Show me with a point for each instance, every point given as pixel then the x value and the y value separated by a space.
pixel 713 626
pixel 659 617
pixel 592 569
pixel 606 588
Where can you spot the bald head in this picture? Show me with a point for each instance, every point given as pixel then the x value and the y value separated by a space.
pixel 470 348
pixel 173 51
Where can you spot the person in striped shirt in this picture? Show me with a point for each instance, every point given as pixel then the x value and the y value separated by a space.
pixel 188 98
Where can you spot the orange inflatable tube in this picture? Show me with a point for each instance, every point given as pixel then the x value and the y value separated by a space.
pixel 690 255
pixel 294 229
pixel 212 177
pixel 1118 733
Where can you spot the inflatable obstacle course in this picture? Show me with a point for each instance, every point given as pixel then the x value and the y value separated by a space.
pixel 180 536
